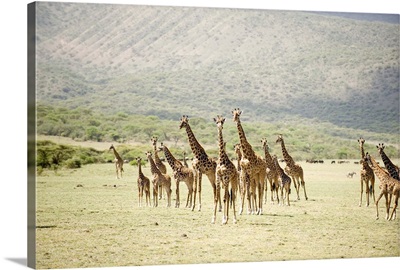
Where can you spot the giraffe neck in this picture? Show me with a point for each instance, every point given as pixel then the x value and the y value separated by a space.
pixel 288 159
pixel 239 157
pixel 197 149
pixel 156 157
pixel 246 147
pixel 222 154
pixel 117 156
pixel 389 165
pixel 268 157
pixel 184 159
pixel 382 175
pixel 153 167
pixel 278 168
pixel 172 161
pixel 362 150
pixel 141 175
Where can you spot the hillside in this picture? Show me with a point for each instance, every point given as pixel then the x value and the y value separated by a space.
pixel 169 61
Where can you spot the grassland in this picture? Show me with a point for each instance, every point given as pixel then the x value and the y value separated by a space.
pixel 87 218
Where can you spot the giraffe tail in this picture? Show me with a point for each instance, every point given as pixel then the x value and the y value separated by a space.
pixel 371 189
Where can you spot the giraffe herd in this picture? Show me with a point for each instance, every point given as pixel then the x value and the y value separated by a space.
pixel 251 175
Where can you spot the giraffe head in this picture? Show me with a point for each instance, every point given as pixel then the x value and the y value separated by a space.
pixel 139 160
pixel 280 138
pixel 264 143
pixel 219 120
pixel 361 141
pixel 161 148
pixel 380 147
pixel 184 121
pixel 154 140
pixel 111 147
pixel 236 147
pixel 148 154
pixel 236 115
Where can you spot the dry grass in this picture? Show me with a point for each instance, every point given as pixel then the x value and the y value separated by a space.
pixel 87 218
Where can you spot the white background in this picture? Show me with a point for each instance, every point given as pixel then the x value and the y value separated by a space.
pixel 13 181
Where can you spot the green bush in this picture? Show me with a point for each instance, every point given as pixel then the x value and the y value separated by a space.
pixel 73 163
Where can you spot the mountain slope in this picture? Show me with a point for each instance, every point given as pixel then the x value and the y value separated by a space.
pixel 169 61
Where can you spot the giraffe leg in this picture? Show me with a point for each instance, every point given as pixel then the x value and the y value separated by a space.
pixel 226 203
pixel 189 196
pixel 199 189
pixel 372 188
pixel 242 191
pixel 296 183
pixel 377 204
pixel 249 191
pixel 194 189
pixel 155 196
pixel 388 198
pixel 168 190
pixel 266 190
pixel 216 191
pixel 148 202
pixel 160 192
pixel 261 195
pixel 233 192
pixel 396 199
pixel 177 203
pixel 367 194
pixel 303 184
pixel 362 181
pixel 277 191
pixel 254 201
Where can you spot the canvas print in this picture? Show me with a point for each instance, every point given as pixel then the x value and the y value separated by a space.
pixel 166 135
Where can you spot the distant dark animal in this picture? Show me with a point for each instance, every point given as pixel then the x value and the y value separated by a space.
pixel 351 174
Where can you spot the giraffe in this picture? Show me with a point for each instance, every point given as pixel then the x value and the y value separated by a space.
pixel 272 173
pixel 119 162
pixel 292 169
pixel 367 175
pixel 226 174
pixel 246 186
pixel 284 181
pixel 388 186
pixel 392 169
pixel 143 184
pixel 184 159
pixel 181 173
pixel 253 164
pixel 201 163
pixel 160 165
pixel 159 179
